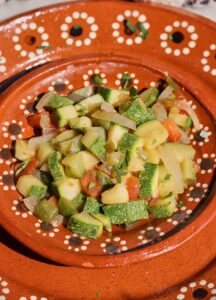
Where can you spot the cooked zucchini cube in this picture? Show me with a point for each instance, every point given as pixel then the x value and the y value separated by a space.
pixel 117 194
pixel 105 221
pixel 115 134
pixel 66 207
pixel 74 164
pixel 164 208
pixel 45 211
pixel 149 96
pixel 189 171
pixel 25 183
pixel 91 206
pixel 64 114
pixel 89 104
pixel 114 96
pixel 43 153
pixel 57 101
pixel 55 166
pixel 148 180
pixel 81 124
pixel 23 150
pixel 67 188
pixel 181 151
pixel 38 191
pixel 64 136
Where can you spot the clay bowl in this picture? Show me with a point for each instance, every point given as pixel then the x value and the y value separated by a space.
pixel 75 58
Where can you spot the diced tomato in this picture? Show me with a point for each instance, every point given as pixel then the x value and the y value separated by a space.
pixel 90 184
pixel 171 127
pixel 35 120
pixel 183 112
pixel 133 187
pixel 54 201
pixel 29 169
pixel 104 168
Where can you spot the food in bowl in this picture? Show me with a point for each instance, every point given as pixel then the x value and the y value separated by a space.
pixel 106 156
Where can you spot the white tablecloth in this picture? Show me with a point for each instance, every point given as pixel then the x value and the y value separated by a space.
pixel 13 7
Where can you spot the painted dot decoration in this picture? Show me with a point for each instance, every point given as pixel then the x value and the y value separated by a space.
pixel 179 38
pixel 30 40
pixel 197 290
pixel 133 81
pixel 88 77
pixel 32 297
pixel 149 233
pixel 2 63
pixel 60 86
pixel 46 230
pixel 76 243
pixel 12 129
pixel 7 181
pixel 4 289
pixel 208 60
pixel 73 33
pixel 6 155
pixel 20 209
pixel 121 32
pixel 114 245
pixel 28 105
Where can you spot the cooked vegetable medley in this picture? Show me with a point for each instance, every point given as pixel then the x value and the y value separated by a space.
pixel 106 156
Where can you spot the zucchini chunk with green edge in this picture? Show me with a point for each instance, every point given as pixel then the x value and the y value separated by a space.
pixel 138 112
pixel 149 96
pixel 55 166
pixel 164 208
pixel 114 96
pixel 63 115
pixel 115 134
pixel 21 167
pixel 189 171
pixel 23 150
pixel 85 225
pixel 66 207
pixel 98 148
pixel 117 194
pixel 38 191
pixel 91 206
pixel 57 101
pixel 43 153
pixel 26 182
pixel 73 145
pixel 81 94
pixel 180 119
pixel 105 221
pixel 148 180
pixel 90 161
pixel 153 133
pixel 64 136
pixel 67 188
pixel 127 212
pixel 45 211
pixel 81 123
pixel 89 104
pixel 94 141
pixel 79 202
pixel 74 165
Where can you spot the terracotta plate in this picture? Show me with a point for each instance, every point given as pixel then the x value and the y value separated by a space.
pixel 175 43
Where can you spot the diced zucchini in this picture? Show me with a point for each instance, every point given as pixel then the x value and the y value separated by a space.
pixel 25 183
pixel 102 123
pixel 127 212
pixel 64 114
pixel 23 150
pixel 46 178
pixel 67 188
pixel 64 136
pixel 90 161
pixel 149 181
pixel 181 120
pixel 85 225
pixel 98 148
pixel 81 123
pixel 139 113
pixel 45 211
pixel 79 202
pixel 38 191
pixel 104 180
pixel 153 134
pixel 128 142
pixel 153 156
pixel 74 164
pixel 66 207
pixel 55 166
pixel 166 182
pixel 73 145
pixel 91 206
pixel 189 171
pixel 115 134
pixel 56 101
pixel 117 194
pixel 89 104
pixel 164 208
pixel 81 94
pixel 105 221
pixel 43 153
pixel 113 158
pixel 149 96
pixel 181 151
pixel 114 96
pixel 92 136
pixel 21 167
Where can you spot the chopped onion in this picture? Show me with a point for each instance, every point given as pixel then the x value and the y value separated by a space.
pixel 43 101
pixel 36 173
pixel 81 94
pixel 38 140
pixel 30 202
pixel 167 92
pixel 159 112
pixel 57 220
pixel 44 167
pixel 107 107
pixel 184 137
pixel 182 105
pixel 173 167
pixel 115 118
pixel 45 124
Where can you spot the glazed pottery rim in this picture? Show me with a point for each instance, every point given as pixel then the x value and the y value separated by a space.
pixel 94 261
